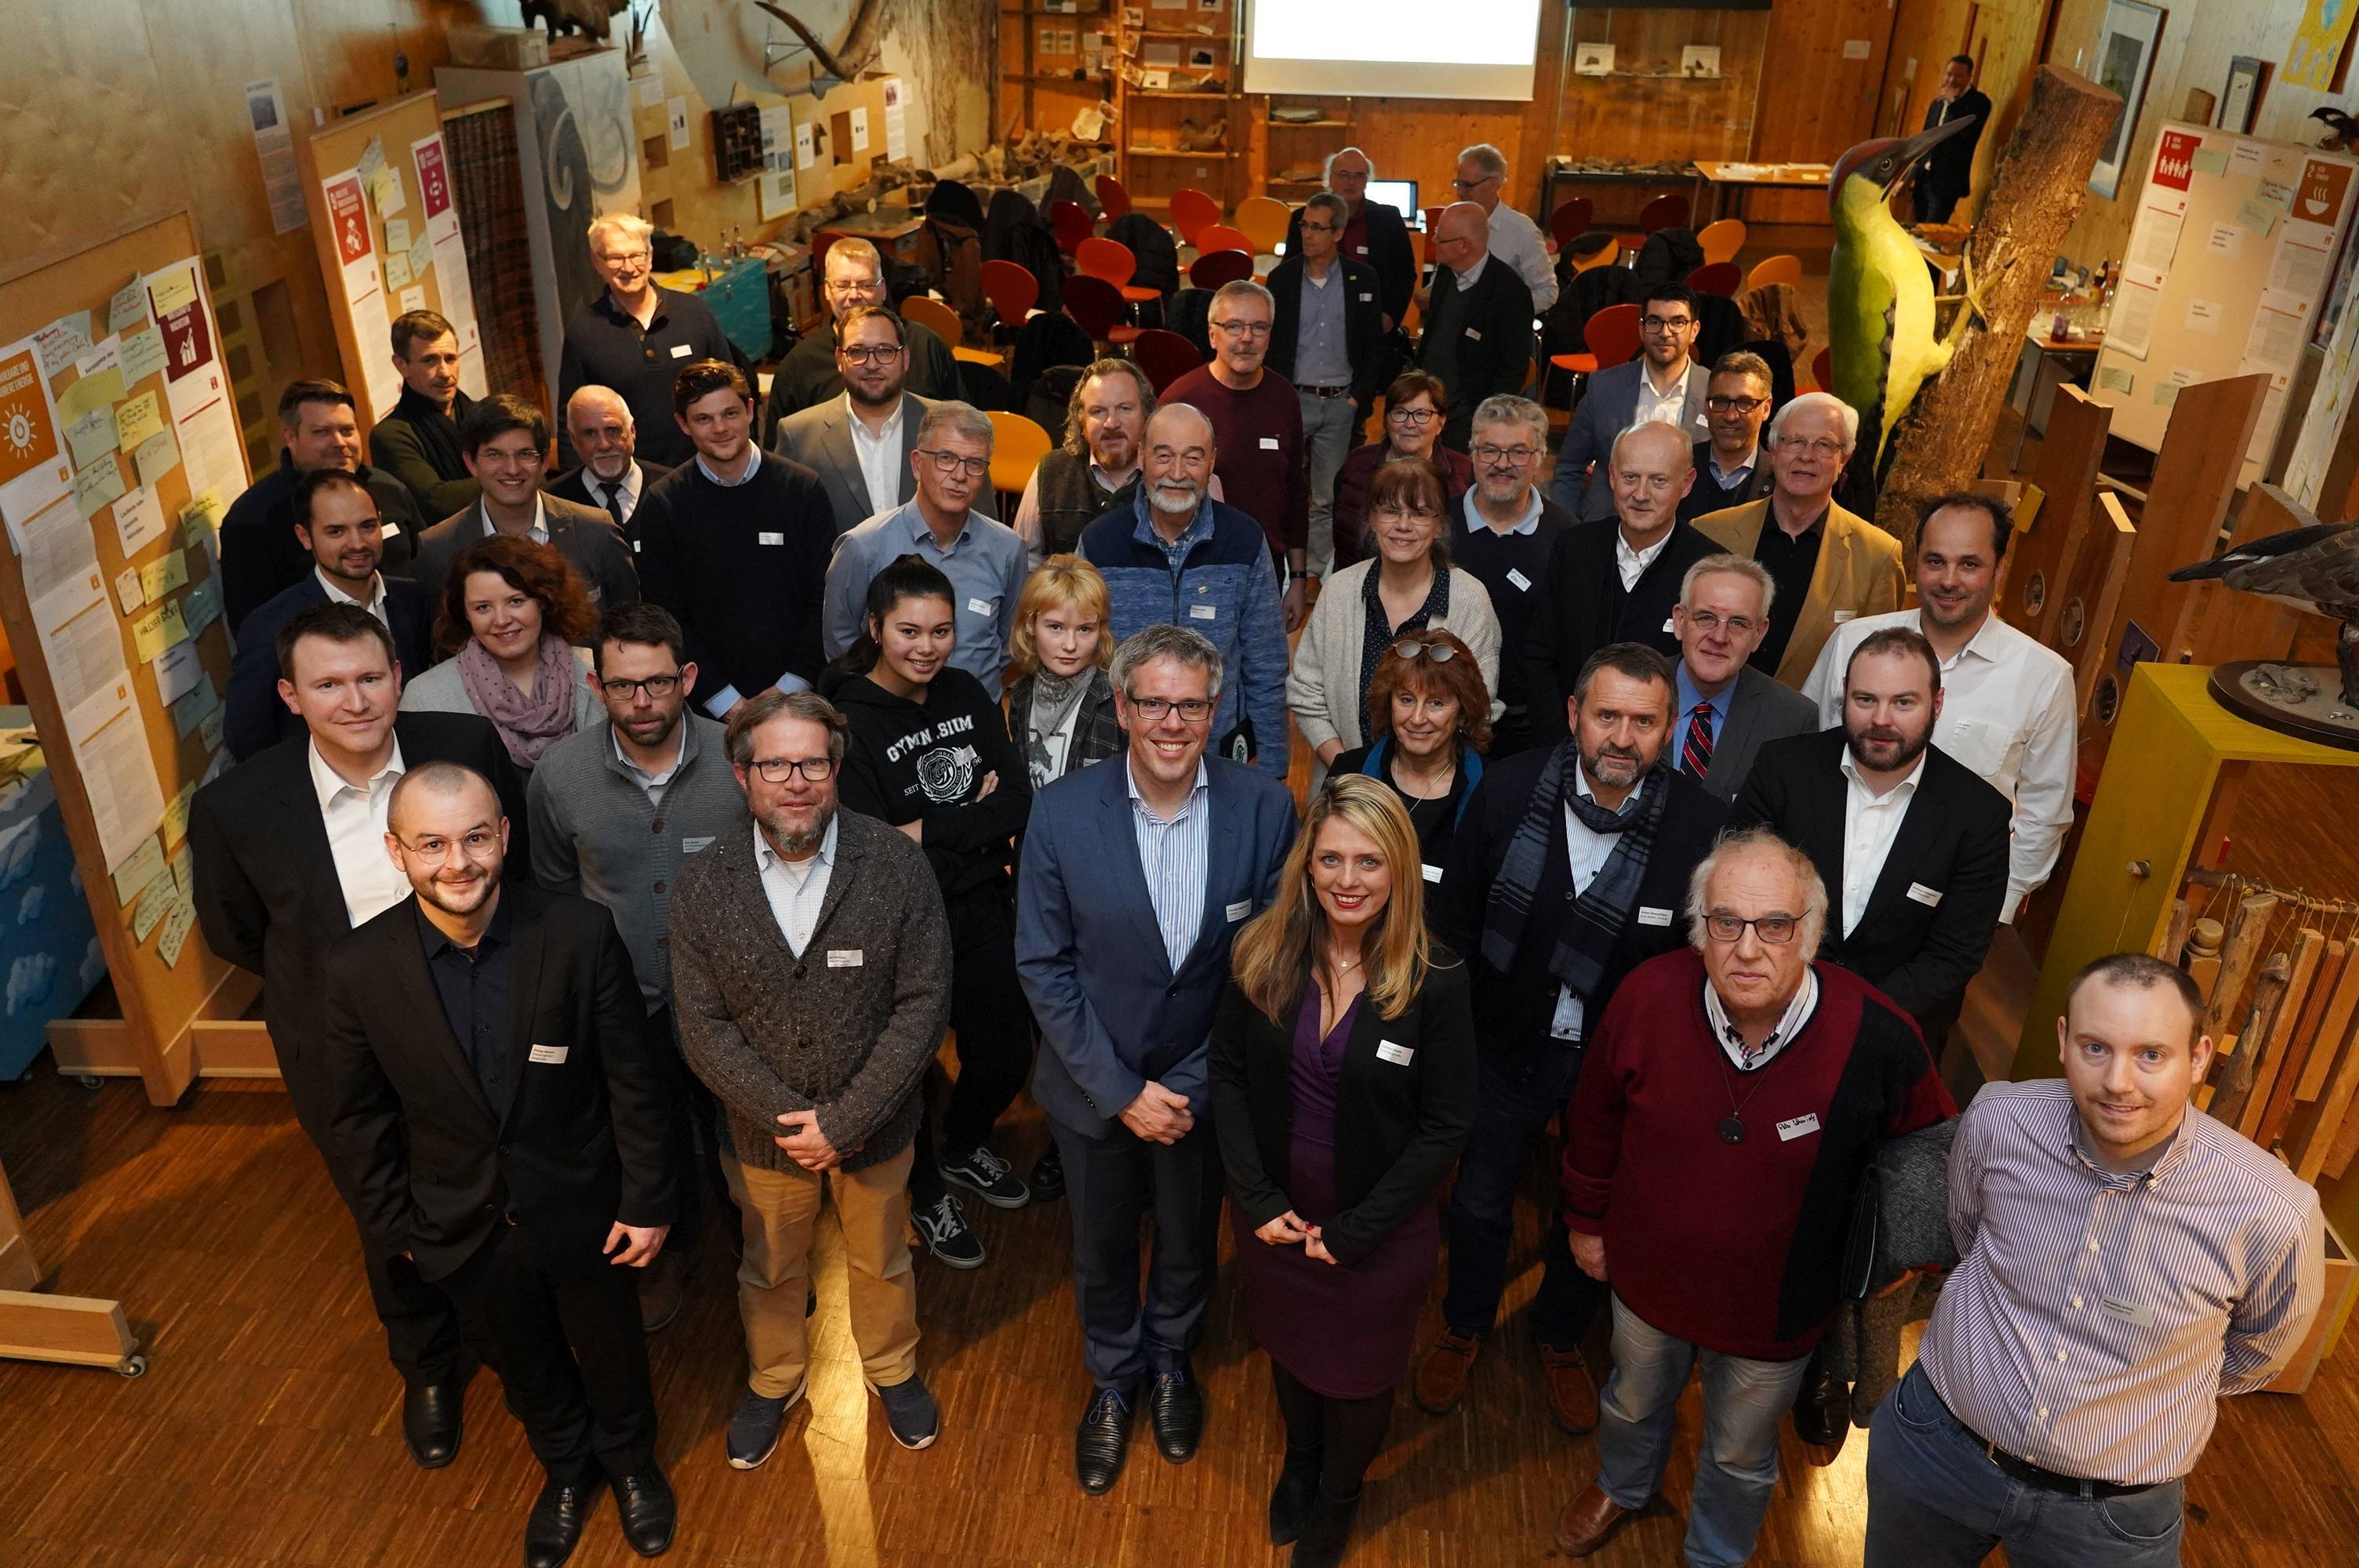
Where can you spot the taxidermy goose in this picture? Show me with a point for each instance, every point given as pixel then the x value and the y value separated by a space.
pixel 2314 569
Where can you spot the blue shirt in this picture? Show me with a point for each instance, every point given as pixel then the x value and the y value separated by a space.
pixel 1175 854
pixel 1685 696
pixel 1320 356
pixel 985 565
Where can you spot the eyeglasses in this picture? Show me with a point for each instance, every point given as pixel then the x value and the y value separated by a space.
pixel 1667 323
pixel 1242 329
pixel 1466 185
pixel 1775 929
pixel 657 686
pixel 479 845
pixel 1322 228
pixel 626 258
pixel 1734 404
pixel 948 463
pixel 871 353
pixel 1817 446
pixel 1514 457
pixel 1154 709
pixel 1705 622
pixel 778 770
pixel 852 284
pixel 1415 418
pixel 1434 653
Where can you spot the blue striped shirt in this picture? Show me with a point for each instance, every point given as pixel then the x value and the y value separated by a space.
pixel 1175 854
pixel 2097 1318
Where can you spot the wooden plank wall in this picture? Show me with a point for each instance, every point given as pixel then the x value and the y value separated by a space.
pixel 2002 34
pixel 1816 103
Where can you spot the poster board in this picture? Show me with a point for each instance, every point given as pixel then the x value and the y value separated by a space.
pixel 384 216
pixel 109 595
pixel 2227 268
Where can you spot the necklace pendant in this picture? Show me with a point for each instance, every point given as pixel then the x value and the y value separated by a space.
pixel 1732 1129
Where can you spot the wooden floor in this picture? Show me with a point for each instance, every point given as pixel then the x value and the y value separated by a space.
pixel 265 1431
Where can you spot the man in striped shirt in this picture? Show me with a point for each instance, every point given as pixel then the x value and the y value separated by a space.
pixel 2127 1260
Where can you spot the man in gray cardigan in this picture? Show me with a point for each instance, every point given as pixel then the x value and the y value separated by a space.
pixel 810 981
pixel 615 809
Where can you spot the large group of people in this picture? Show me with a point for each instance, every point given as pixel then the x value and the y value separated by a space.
pixel 619 848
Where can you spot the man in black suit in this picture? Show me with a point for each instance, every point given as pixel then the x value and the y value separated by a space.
pixel 1731 466
pixel 502 1115
pixel 337 521
pixel 289 851
pixel 1617 584
pixel 613 477
pixel 1725 710
pixel 1947 175
pixel 1325 338
pixel 1478 319
pixel 504 441
pixel 1373 232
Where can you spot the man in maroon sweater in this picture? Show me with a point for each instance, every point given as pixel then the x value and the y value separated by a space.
pixel 1732 1098
pixel 1256 418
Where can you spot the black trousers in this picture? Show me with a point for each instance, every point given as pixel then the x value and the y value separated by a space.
pixel 1110 1184
pixel 990 1015
pixel 571 1354
pixel 695 1142
pixel 1344 1436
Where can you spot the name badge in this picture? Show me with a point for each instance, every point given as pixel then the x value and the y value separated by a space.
pixel 1366 299
pixel 1668 627
pixel 634 546
pixel 1201 612
pixel 1929 897
pixel 1433 873
pixel 1797 1127
pixel 1523 584
pixel 1239 910
pixel 769 538
pixel 1843 615
pixel 2126 1310
pixel 550 1055
pixel 1653 916
pixel 845 959
pixel 1269 443
pixel 679 350
pixel 1398 1056
pixel 1362 249
pixel 1474 334
pixel 979 606
pixel 690 846
pixel 388 528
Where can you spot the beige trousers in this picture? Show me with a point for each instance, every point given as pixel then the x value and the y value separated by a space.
pixel 781 1210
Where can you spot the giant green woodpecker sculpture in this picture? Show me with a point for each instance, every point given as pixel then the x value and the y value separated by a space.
pixel 1879 290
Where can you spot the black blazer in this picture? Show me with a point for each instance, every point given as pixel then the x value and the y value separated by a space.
pixel 1494 346
pixel 1582 607
pixel 572 486
pixel 1951 166
pixel 435 1172
pixel 1401 1122
pixel 267 898
pixel 1953 843
pixel 1513 1009
pixel 584 535
pixel 1390 251
pixel 254 718
pixel 1362 323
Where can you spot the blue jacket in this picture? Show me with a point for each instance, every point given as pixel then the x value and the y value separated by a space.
pixel 254 719
pixel 1112 1014
pixel 1225 587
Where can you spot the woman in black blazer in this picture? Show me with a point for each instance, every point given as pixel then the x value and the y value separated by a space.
pixel 1342 1087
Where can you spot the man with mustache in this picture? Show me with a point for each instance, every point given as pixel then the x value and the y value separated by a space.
pixel 1096 468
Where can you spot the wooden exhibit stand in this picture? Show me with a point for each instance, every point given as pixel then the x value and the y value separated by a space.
pixel 79 1331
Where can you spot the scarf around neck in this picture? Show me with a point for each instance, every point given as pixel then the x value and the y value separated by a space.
pixel 1593 921
pixel 530 722
pixel 1053 698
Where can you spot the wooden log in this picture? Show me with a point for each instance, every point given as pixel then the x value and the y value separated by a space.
pixel 2265 1114
pixel 2203 955
pixel 2174 931
pixel 2035 194
pixel 2325 1139
pixel 2235 1090
pixel 2239 951
pixel 2331 1025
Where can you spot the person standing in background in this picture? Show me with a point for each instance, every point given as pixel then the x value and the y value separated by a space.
pixel 636 336
pixel 1947 175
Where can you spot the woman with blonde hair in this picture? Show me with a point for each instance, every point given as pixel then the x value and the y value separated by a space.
pixel 1342 1072
pixel 1060 710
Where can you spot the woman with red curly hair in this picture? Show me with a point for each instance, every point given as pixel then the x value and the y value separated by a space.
pixel 513 614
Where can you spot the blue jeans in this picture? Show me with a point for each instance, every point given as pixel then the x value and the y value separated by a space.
pixel 1509 1118
pixel 1743 1402
pixel 1329 425
pixel 1935 1500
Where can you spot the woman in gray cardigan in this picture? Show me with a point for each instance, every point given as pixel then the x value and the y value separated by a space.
pixel 512 613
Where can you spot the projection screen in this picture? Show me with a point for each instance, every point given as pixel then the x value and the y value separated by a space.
pixel 1373 49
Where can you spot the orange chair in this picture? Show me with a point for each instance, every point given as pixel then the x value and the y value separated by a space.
pixel 1571 220
pixel 1099 308
pixel 1191 210
pixel 1264 220
pixel 1112 197
pixel 1012 290
pixel 1716 278
pixel 1774 269
pixel 1822 368
pixel 931 313
pixel 1164 357
pixel 1017 445
pixel 1215 268
pixel 1071 224
pixel 1612 335
pixel 1222 237
pixel 1111 260
pixel 1720 240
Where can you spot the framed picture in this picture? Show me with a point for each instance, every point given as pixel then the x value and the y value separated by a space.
pixel 2243 98
pixel 2125 60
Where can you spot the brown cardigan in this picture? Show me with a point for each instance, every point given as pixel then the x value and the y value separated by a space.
pixel 847 1028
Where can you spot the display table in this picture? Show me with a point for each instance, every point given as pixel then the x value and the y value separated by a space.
pixel 1730 180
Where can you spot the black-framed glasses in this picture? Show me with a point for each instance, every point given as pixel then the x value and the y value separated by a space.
pixel 1775 929
pixel 1154 709
pixel 1463 186
pixel 1734 404
pixel 657 686
pixel 778 770
pixel 948 463
pixel 1707 622
pixel 1516 456
pixel 1312 223
pixel 1436 653
pixel 1666 323
pixel 1415 418
pixel 871 353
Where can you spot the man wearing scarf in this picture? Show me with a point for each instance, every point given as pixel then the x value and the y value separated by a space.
pixel 1568 870
pixel 417 443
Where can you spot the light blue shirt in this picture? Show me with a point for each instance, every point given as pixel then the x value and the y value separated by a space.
pixel 797 889
pixel 1175 853
pixel 1476 522
pixel 985 563
pixel 1684 691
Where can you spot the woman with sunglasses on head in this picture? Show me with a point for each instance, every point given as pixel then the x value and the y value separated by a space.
pixel 1343 1079
pixel 1416 404
pixel 929 753
pixel 513 615
pixel 1428 725
pixel 1410 587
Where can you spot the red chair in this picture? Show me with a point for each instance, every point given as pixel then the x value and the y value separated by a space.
pixel 1099 308
pixel 1111 260
pixel 1612 335
pixel 1012 290
pixel 1723 278
pixel 1215 268
pixel 1222 237
pixel 1192 209
pixel 1164 357
pixel 1668 211
pixel 1112 197
pixel 1071 224
pixel 1571 220
pixel 1822 368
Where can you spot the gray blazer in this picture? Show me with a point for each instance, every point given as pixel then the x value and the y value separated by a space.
pixel 820 437
pixel 585 536
pixel 1607 410
pixel 1762 709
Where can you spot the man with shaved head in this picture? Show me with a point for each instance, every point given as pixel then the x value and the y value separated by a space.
pixel 1478 319
pixel 502 1116
pixel 612 476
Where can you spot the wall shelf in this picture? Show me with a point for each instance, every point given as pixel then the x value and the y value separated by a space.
pixel 1152 174
pixel 1180 152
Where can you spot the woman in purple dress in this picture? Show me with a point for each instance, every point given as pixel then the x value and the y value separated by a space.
pixel 1342 1087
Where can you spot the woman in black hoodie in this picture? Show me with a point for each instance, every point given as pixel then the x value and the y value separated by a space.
pixel 929 755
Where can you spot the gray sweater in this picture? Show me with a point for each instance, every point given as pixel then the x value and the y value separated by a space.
pixel 595 832
pixel 846 1029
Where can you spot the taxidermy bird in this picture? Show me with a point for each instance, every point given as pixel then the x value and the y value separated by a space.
pixel 2342 130
pixel 2314 569
pixel 1879 291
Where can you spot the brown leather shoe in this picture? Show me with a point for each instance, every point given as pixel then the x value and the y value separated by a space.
pixel 1441 1380
pixel 1571 1396
pixel 1588 1522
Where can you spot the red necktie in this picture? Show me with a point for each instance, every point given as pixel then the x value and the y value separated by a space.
pixel 1695 754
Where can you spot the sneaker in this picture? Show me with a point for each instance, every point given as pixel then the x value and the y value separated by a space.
pixel 911 1412
pixel 943 1230
pixel 1048 1178
pixel 989 1177
pixel 754 1430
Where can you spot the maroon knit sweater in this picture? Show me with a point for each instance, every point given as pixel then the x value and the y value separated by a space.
pixel 1735 1247
pixel 1270 484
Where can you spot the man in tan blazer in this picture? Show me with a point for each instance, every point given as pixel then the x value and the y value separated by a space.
pixel 1830 565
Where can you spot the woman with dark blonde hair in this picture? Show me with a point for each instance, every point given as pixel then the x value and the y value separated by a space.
pixel 1342 1070
pixel 1060 710
pixel 1416 404
pixel 1429 725
pixel 513 614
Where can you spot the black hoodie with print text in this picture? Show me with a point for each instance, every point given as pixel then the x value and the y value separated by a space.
pixel 907 759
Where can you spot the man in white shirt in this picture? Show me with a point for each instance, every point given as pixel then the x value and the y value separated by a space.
pixel 859 443
pixel 2008 707
pixel 612 477
pixel 1482 179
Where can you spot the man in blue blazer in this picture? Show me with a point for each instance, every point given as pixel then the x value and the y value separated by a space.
pixel 1664 383
pixel 1133 879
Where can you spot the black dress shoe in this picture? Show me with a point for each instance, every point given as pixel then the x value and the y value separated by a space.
pixel 433 1416
pixel 554 1527
pixel 1290 1501
pixel 1175 1408
pixel 1822 1409
pixel 649 1511
pixel 1101 1441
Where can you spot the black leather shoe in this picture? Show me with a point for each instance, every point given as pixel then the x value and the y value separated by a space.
pixel 554 1527
pixel 1175 1408
pixel 433 1417
pixel 1822 1409
pixel 649 1511
pixel 1289 1503
pixel 1101 1441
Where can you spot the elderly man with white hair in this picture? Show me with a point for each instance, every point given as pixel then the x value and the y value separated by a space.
pixel 1482 179
pixel 1733 1092
pixel 605 437
pixel 1828 564
pixel 636 336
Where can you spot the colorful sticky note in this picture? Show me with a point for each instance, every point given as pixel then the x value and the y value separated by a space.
pixel 2166 393
pixel 138 419
pixel 143 356
pixel 2211 160
pixel 421 257
pixel 184 870
pixel 208 728
pixel 397 269
pixel 176 814
pixel 159 578
pixel 102 390
pixel 177 926
pixel 128 308
pixel 154 899
pixel 139 868
pixel 127 589
pixel 200 516
pixel 2257 216
pixel 396 235
pixel 203 605
pixel 158 455
pixel 91 436
pixel 2112 378
pixel 160 628
pixel 97 485
pixel 173 289
pixel 189 710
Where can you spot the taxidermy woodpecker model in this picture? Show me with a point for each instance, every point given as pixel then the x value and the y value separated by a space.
pixel 2342 130
pixel 2314 569
pixel 1879 290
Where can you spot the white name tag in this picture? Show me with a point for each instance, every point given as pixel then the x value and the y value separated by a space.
pixel 2127 1311
pixel 979 606
pixel 769 538
pixel 1362 249
pixel 1929 897
pixel 1398 1056
pixel 550 1055
pixel 1799 1127
pixel 1653 916
pixel 1843 615
pixel 690 846
pixel 1365 299
pixel 1269 443
pixel 389 529
pixel 1433 873
pixel 679 350
pixel 845 959
pixel 1523 584
pixel 634 546
pixel 1667 626
pixel 1201 612
pixel 1473 334
pixel 1239 910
